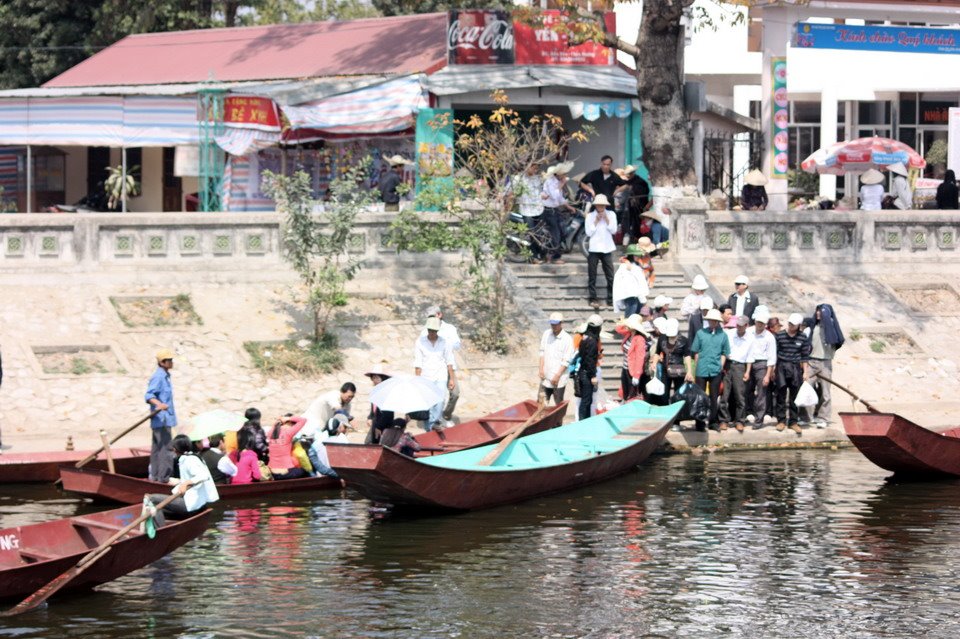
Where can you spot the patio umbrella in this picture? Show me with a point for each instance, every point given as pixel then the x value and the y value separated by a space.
pixel 213 422
pixel 406 394
pixel 857 156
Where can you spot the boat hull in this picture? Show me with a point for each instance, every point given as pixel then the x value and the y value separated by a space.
pixel 899 445
pixel 66 543
pixel 102 485
pixel 45 466
pixel 401 481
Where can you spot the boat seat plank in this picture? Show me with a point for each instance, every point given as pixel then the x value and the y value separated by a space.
pixel 96 523
pixel 35 555
pixel 638 434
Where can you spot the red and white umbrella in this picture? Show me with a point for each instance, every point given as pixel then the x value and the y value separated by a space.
pixel 857 156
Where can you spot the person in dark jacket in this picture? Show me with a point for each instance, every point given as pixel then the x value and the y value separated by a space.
pixel 793 354
pixel 695 323
pixel 589 353
pixel 754 194
pixel 947 192
pixel 825 339
pixel 743 301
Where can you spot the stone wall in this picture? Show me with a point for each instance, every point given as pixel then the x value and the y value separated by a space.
pixel 812 239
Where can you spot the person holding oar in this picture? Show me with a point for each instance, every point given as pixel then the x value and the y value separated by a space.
pixel 160 397
pixel 195 486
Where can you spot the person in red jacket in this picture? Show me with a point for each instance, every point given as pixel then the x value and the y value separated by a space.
pixel 280 439
pixel 634 348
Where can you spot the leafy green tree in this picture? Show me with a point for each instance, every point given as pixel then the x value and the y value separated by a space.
pixel 317 245
pixel 406 7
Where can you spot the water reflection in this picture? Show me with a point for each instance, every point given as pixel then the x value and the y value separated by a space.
pixel 778 544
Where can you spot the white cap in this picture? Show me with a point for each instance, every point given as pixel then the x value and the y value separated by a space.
pixel 796 319
pixel 699 283
pixel 671 327
pixel 660 323
pixel 662 300
pixel 761 314
pixel 556 318
pixel 742 279
pixel 595 320
pixel 433 324
pixel 706 304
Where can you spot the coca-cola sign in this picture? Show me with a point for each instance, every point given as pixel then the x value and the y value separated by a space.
pixel 480 37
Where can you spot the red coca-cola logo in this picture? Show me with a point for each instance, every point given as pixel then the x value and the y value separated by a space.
pixel 497 34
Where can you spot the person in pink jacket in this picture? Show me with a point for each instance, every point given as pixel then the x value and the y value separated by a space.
pixel 280 440
pixel 246 460
pixel 634 348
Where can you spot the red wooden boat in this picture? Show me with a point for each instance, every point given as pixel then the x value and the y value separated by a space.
pixel 476 432
pixel 103 485
pixel 31 556
pixel 45 466
pixel 548 462
pixel 896 443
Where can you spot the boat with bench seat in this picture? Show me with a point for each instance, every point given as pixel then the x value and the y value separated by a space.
pixel 551 461
pixel 32 556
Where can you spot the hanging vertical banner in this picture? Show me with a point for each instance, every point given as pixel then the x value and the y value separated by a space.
pixel 434 142
pixel 780 111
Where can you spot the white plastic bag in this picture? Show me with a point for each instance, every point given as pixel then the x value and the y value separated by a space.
pixel 806 396
pixel 655 387
pixel 601 402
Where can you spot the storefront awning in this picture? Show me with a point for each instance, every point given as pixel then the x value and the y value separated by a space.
pixel 465 78
pixel 132 121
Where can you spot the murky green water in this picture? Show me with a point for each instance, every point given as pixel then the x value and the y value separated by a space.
pixel 770 544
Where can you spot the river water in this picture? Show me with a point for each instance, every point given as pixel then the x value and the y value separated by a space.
pixel 764 544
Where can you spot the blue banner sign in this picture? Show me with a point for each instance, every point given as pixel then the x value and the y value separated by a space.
pixel 868 38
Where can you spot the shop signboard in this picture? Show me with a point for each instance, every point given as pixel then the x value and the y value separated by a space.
pixel 480 37
pixel 251 112
pixel 781 118
pixel 877 38
pixel 434 143
pixel 545 45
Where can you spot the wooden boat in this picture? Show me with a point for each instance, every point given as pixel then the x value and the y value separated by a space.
pixel 45 466
pixel 897 444
pixel 548 462
pixel 31 556
pixel 476 432
pixel 103 485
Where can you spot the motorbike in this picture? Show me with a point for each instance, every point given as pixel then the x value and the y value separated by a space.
pixel 573 237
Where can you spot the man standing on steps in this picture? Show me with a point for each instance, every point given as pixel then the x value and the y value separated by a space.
pixel 743 302
pixel 160 397
pixel 691 303
pixel 734 403
pixel 556 352
pixel 825 338
pixel 604 181
pixel 450 334
pixel 710 349
pixel 600 226
pixel 793 351
pixel 763 361
pixel 526 192
pixel 554 203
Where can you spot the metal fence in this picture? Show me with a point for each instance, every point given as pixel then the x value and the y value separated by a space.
pixel 727 157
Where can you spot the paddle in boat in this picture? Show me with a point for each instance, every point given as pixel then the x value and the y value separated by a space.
pixel 899 445
pixel 45 466
pixel 34 556
pixel 547 462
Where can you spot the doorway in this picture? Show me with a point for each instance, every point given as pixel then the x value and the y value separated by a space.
pixel 172 185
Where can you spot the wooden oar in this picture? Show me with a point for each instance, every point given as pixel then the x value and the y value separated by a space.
pixel 849 392
pixel 89 458
pixel 494 454
pixel 47 591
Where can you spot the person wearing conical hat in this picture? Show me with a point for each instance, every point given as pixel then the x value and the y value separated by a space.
pixel 630 288
pixel 900 189
pixel 644 249
pixel 753 197
pixel 871 191
pixel 390 182
pixel 159 396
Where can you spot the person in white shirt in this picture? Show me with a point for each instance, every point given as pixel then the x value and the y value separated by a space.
pixel 323 407
pixel 554 203
pixel 763 362
pixel 450 335
pixel 691 303
pixel 600 226
pixel 556 351
pixel 900 190
pixel 736 375
pixel 195 485
pixel 630 288
pixel 526 192
pixel 743 301
pixel 433 359
pixel 871 191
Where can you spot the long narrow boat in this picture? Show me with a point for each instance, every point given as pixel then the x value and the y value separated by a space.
pixel 476 432
pixel 894 442
pixel 552 461
pixel 102 485
pixel 31 556
pixel 130 490
pixel 45 466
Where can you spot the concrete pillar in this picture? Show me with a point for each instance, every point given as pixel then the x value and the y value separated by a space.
pixel 777 25
pixel 828 135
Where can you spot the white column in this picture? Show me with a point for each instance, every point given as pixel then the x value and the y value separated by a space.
pixel 828 135
pixel 777 28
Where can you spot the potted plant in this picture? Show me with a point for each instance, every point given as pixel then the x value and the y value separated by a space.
pixel 119 187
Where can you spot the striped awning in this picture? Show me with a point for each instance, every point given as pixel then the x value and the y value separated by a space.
pixel 380 108
pixel 132 121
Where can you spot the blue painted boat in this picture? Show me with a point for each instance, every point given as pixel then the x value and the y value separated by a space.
pixel 551 461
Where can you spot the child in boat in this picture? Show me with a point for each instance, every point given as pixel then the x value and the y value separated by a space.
pixel 397 438
pixel 192 469
pixel 248 465
pixel 280 441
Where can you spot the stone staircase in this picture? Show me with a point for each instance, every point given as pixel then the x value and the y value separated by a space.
pixel 563 288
